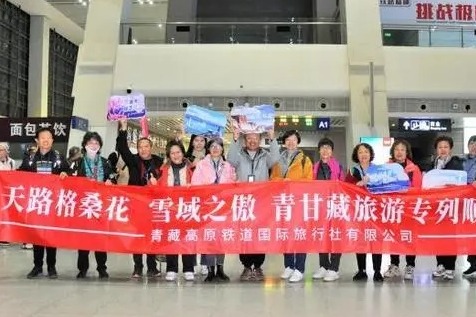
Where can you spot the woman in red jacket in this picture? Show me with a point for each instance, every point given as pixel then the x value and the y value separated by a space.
pixel 401 153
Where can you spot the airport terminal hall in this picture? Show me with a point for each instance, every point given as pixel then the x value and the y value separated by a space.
pixel 237 157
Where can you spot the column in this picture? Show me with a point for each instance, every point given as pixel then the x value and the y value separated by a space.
pixel 364 45
pixel 181 11
pixel 94 77
pixel 38 66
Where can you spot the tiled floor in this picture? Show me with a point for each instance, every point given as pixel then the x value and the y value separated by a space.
pixel 121 296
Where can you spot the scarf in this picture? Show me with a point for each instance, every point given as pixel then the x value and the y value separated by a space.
pixel 285 161
pixel 440 163
pixel 94 168
pixel 176 168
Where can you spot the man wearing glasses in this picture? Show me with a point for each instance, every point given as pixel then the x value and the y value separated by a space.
pixel 470 168
pixel 144 169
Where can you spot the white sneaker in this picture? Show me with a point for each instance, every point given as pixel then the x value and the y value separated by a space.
pixel 287 273
pixel 170 276
pixel 204 270
pixel 449 275
pixel 393 271
pixel 331 276
pixel 320 273
pixel 189 276
pixel 409 271
pixel 440 271
pixel 27 246
pixel 296 276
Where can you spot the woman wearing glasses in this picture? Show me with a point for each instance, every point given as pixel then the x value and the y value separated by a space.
pixel 213 169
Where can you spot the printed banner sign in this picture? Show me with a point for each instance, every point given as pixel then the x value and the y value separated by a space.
pixel 442 178
pixel 428 12
pixel 130 106
pixel 387 178
pixel 266 217
pixel 23 130
pixel 206 122
pixel 258 119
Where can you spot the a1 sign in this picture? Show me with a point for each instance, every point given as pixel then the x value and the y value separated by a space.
pixel 323 124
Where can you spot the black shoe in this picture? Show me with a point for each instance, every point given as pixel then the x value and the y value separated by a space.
pixel 360 276
pixel 153 273
pixel 221 276
pixel 211 275
pixel 378 277
pixel 81 275
pixel 35 272
pixel 103 275
pixel 470 272
pixel 52 274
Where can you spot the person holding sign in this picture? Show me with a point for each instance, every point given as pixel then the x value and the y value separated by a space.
pixel 45 161
pixel 401 153
pixel 470 168
pixel 177 171
pixel 363 155
pixel 144 169
pixel 252 164
pixel 328 168
pixel 293 164
pixel 96 168
pixel 445 161
pixel 213 169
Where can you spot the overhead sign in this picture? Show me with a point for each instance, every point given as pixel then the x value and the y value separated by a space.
pixel 323 124
pixel 425 125
pixel 79 123
pixel 428 12
pixel 23 130
pixel 300 123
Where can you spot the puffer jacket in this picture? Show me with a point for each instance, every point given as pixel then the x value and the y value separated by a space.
pixel 300 168
pixel 204 172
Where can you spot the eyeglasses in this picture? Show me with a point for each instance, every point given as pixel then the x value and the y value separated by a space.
pixel 216 146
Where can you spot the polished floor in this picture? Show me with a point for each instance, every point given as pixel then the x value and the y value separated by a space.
pixel 121 296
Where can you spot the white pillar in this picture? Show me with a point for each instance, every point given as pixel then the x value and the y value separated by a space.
pixel 364 45
pixel 38 66
pixel 94 77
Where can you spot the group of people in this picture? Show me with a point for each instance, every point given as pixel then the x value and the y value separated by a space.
pixel 205 163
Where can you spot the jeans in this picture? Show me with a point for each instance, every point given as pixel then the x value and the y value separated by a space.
pixel 362 261
pixel 330 261
pixel 212 259
pixel 139 264
pixel 295 261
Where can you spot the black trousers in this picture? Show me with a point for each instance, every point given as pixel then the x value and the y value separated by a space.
pixel 139 264
pixel 395 259
pixel 448 261
pixel 250 260
pixel 188 262
pixel 83 260
pixel 39 253
pixel 362 261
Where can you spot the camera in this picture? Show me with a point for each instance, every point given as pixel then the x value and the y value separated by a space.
pixel 129 90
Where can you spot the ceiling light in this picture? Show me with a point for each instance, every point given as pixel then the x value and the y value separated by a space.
pixel 151 2
pixel 140 1
pixel 159 25
pixel 134 41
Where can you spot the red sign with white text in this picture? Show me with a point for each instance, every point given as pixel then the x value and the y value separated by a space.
pixel 268 217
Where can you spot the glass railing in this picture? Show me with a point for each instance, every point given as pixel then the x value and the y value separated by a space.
pixel 315 32
pixel 429 35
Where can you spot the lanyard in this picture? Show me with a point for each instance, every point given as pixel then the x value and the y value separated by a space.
pixel 218 170
pixel 253 160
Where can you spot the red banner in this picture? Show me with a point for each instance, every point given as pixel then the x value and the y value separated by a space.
pixel 268 217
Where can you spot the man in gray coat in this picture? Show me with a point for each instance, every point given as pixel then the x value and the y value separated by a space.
pixel 252 164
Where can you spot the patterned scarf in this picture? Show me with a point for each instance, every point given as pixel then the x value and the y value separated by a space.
pixel 94 168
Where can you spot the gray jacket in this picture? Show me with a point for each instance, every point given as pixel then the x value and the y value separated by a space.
pixel 259 167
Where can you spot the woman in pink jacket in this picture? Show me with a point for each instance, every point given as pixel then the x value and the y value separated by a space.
pixel 213 169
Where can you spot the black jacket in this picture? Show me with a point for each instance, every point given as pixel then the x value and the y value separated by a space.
pixel 139 169
pixel 107 170
pixel 455 163
pixel 59 163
